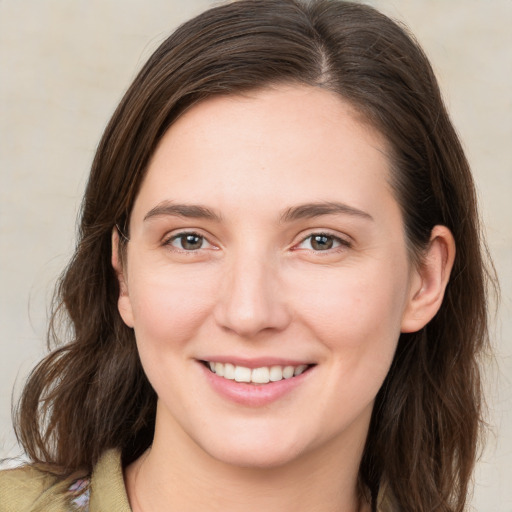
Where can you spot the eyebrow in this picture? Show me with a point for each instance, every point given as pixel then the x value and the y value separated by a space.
pixel 311 210
pixel 192 211
pixel 302 211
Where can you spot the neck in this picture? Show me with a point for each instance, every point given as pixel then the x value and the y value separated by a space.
pixel 177 474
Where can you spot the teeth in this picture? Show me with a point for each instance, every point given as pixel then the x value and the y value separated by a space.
pixel 300 369
pixel 219 369
pixel 261 375
pixel 229 371
pixel 288 372
pixel 276 373
pixel 242 374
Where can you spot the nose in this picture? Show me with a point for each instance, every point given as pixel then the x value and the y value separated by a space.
pixel 252 299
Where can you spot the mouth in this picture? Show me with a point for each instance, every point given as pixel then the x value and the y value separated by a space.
pixel 260 375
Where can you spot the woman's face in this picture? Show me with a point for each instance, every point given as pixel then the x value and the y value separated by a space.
pixel 266 243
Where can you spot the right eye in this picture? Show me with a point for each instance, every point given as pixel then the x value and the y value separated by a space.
pixel 188 241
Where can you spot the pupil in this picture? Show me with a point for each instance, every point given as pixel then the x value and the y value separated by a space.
pixel 321 242
pixel 192 242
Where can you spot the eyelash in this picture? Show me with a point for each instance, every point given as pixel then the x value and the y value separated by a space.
pixel 182 235
pixel 341 243
pixel 337 242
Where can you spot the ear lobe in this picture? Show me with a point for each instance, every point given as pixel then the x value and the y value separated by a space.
pixel 123 302
pixel 430 280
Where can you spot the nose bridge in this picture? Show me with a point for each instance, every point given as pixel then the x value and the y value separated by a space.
pixel 251 300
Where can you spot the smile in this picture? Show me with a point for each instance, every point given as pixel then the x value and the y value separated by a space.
pixel 261 375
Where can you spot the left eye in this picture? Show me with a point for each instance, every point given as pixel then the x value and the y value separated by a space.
pixel 188 242
pixel 321 242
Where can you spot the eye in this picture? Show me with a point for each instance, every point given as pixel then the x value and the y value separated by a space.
pixel 322 242
pixel 188 242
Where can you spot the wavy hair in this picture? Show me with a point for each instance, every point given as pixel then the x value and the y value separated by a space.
pixel 90 393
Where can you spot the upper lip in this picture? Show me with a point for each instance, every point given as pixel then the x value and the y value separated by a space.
pixel 257 362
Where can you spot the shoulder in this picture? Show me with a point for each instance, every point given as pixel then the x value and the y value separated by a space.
pixel 108 491
pixel 19 488
pixel 28 489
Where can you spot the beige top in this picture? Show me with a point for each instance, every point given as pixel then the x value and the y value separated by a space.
pixel 28 489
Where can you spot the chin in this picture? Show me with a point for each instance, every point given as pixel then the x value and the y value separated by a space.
pixel 262 457
pixel 264 446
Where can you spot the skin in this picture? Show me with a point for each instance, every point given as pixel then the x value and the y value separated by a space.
pixel 258 287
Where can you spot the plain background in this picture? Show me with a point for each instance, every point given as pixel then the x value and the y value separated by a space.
pixel 64 66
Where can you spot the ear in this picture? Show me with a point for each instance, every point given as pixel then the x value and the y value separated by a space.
pixel 123 302
pixel 429 280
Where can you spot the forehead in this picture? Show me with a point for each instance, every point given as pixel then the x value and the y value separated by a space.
pixel 275 113
pixel 284 142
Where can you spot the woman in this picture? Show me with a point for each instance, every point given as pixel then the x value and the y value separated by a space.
pixel 278 294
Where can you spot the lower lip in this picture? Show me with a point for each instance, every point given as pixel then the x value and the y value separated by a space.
pixel 253 395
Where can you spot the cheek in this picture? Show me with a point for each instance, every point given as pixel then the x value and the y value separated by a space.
pixel 169 307
pixel 358 323
pixel 356 312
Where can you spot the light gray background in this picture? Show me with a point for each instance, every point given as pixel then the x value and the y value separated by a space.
pixel 65 64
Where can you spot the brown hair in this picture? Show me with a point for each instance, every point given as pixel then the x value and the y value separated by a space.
pixel 91 394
